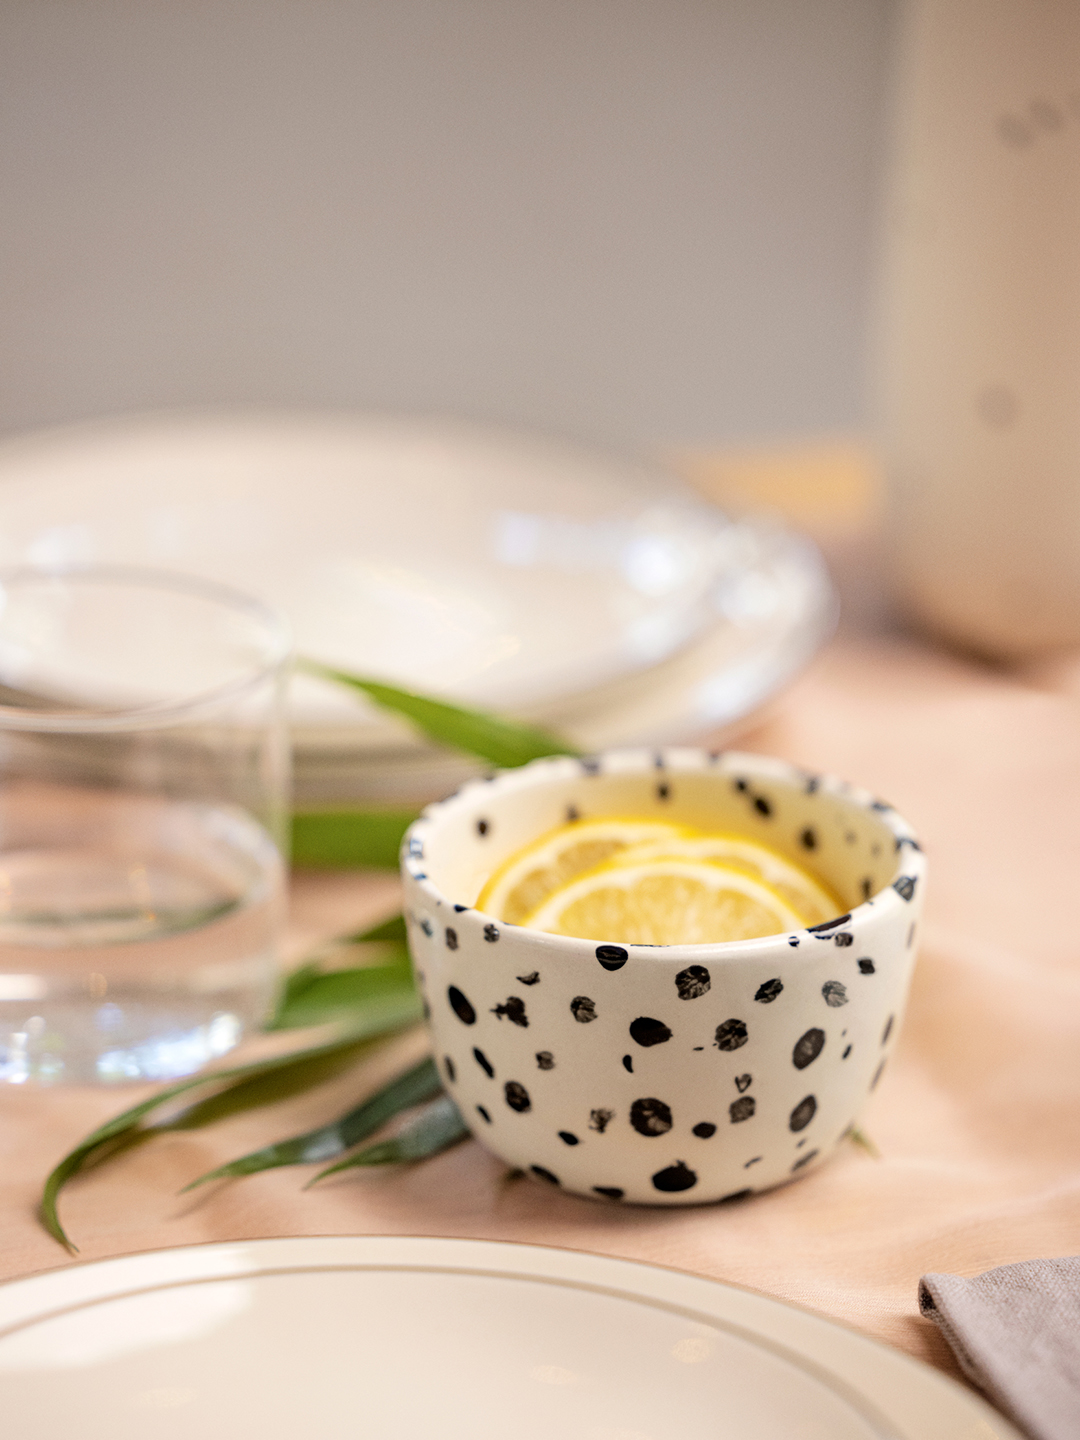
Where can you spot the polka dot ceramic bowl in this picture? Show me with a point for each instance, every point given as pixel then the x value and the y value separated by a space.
pixel 676 1074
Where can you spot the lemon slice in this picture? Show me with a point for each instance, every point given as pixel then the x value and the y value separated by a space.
pixel 530 875
pixel 665 902
pixel 801 890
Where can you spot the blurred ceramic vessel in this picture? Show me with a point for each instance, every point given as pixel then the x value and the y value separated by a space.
pixel 664 1074
pixel 980 362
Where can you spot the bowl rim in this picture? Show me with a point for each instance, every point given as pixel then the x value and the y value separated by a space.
pixel 910 859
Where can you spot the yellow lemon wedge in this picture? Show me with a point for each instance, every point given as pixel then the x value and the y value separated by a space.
pixel 665 902
pixel 530 875
pixel 801 891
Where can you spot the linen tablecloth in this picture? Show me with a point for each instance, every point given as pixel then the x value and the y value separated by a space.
pixel 977 1120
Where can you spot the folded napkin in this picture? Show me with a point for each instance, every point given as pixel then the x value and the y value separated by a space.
pixel 1016 1333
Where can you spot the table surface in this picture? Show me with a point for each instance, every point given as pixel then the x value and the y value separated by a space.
pixel 977 1119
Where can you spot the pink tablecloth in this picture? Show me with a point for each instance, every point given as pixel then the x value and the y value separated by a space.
pixel 978 1119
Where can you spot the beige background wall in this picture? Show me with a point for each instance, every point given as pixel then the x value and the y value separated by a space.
pixel 636 220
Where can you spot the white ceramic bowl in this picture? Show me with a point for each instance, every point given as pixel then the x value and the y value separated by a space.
pixel 664 1074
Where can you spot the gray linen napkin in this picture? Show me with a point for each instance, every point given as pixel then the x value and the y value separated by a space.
pixel 1016 1333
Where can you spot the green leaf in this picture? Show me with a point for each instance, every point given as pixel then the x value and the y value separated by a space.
pixel 313 996
pixel 405 1090
pixel 862 1140
pixel 243 1086
pixel 435 1128
pixel 349 837
pixel 392 929
pixel 506 743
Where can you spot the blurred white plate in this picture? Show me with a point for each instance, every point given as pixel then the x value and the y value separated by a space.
pixel 597 597
pixel 500 569
pixel 409 1338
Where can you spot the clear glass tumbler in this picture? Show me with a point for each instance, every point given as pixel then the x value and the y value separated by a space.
pixel 143 805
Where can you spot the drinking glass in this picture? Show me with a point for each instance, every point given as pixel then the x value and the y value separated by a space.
pixel 143 806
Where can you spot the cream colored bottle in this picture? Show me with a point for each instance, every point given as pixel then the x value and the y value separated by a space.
pixel 979 365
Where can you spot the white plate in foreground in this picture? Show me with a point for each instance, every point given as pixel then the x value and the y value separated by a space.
pixel 407 1337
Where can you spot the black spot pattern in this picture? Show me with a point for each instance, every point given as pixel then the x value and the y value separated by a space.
pixel 846 1053
pixel 531 979
pixel 866 966
pixel 793 940
pixel 803 1113
pixel 866 885
pixel 888 1029
pixel 812 783
pixel 460 1005
pixel 458 909
pixel 731 1034
pixel 809 838
pixel 762 806
pixel 481 1111
pixel 877 1075
pixel 590 765
pixel 612 957
pixel 735 1195
pixel 807 1048
pixel 545 1060
pixel 514 1010
pixel 628 1063
pixel 828 925
pixel 692 983
pixel 572 814
pixel 767 992
pixel 451 939
pixel 756 1160
pixel 705 1130
pixel 647 1031
pixel 450 1068
pixel 599 1120
pixel 484 1063
pixel 742 1109
pixel 482 827
pixel 650 1117
pixel 740 785
pixel 583 1009
pixel 542 1174
pixel 743 1082
pixel 517 1097
pixel 905 886
pixel 835 993
pixel 844 938
pixel 568 1137
pixel 609 1192
pixel 804 1160
pixel 663 791
pixel 491 933
pixel 674 1178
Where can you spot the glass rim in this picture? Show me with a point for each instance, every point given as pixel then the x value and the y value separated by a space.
pixel 156 715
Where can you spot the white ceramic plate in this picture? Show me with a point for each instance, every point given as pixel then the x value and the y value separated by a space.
pixel 513 572
pixel 412 1339
pixel 500 569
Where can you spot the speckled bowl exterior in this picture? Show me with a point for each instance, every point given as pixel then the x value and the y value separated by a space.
pixel 664 1075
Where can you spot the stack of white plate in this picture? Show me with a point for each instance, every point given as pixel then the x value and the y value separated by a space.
pixel 596 596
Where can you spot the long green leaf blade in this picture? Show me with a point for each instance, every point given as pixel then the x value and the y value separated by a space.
pixel 349 838
pixel 314 997
pixel 404 1091
pixel 506 743
pixel 235 1081
pixel 435 1128
pixel 392 930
